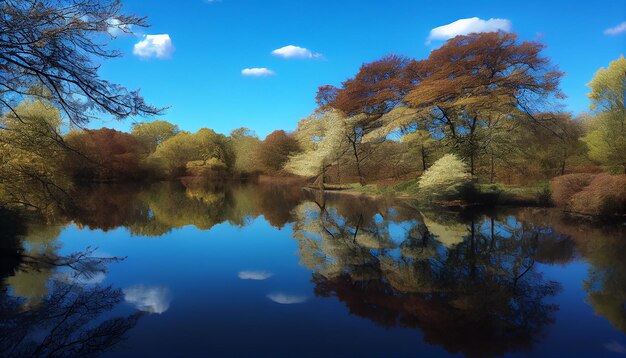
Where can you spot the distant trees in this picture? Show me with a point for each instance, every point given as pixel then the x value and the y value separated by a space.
pixel 202 153
pixel 274 151
pixel 606 135
pixel 245 145
pixel 105 155
pixel 155 132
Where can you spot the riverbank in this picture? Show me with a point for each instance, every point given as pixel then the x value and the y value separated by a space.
pixel 537 195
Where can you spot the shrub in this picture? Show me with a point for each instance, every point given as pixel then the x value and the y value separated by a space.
pixel 565 186
pixel 445 177
pixel 604 196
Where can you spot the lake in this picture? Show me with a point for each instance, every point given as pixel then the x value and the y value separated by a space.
pixel 206 269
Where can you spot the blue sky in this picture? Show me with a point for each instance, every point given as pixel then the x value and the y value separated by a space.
pixel 200 75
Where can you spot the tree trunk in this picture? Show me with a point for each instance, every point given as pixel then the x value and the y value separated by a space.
pixel 492 169
pixel 358 163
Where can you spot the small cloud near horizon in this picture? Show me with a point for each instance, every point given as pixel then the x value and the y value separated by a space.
pixel 616 30
pixel 467 26
pixel 154 46
pixel 257 72
pixel 291 51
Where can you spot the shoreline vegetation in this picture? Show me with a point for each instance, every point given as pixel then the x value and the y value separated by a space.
pixel 478 121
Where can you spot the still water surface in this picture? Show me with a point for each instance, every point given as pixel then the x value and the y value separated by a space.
pixel 259 270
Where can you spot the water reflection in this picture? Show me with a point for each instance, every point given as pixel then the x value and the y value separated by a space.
pixel 471 281
pixel 286 299
pixel 473 290
pixel 254 275
pixel 52 305
pixel 154 299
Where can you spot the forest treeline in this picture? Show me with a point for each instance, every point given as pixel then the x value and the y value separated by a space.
pixel 483 108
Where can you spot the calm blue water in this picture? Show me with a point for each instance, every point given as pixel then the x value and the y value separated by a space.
pixel 268 271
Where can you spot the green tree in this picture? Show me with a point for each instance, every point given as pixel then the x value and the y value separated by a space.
pixel 202 152
pixel 420 143
pixel 606 137
pixel 245 145
pixel 30 172
pixel 155 132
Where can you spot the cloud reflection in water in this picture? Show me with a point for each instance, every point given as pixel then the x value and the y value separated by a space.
pixel 152 299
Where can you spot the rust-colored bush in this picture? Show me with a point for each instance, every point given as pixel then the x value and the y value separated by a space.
pixel 604 196
pixel 566 186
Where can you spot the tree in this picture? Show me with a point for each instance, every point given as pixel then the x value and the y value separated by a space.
pixel 30 172
pixel 469 86
pixel 445 176
pixel 422 142
pixel 322 137
pixel 155 132
pixel 377 89
pixel 105 155
pixel 55 43
pixel 606 137
pixel 275 150
pixel 206 149
pixel 245 144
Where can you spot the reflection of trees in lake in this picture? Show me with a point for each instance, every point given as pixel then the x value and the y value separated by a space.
pixel 606 283
pixel 156 209
pixel 481 295
pixel 442 272
pixel 47 312
pixel 64 322
pixel 602 245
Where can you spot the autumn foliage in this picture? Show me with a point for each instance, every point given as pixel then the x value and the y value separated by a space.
pixel 275 150
pixel 105 155
pixel 592 194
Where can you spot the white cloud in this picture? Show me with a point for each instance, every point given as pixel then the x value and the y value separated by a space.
pixel 254 275
pixel 159 46
pixel 148 299
pixel 285 299
pixel 257 72
pixel 616 30
pixel 291 51
pixel 468 26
